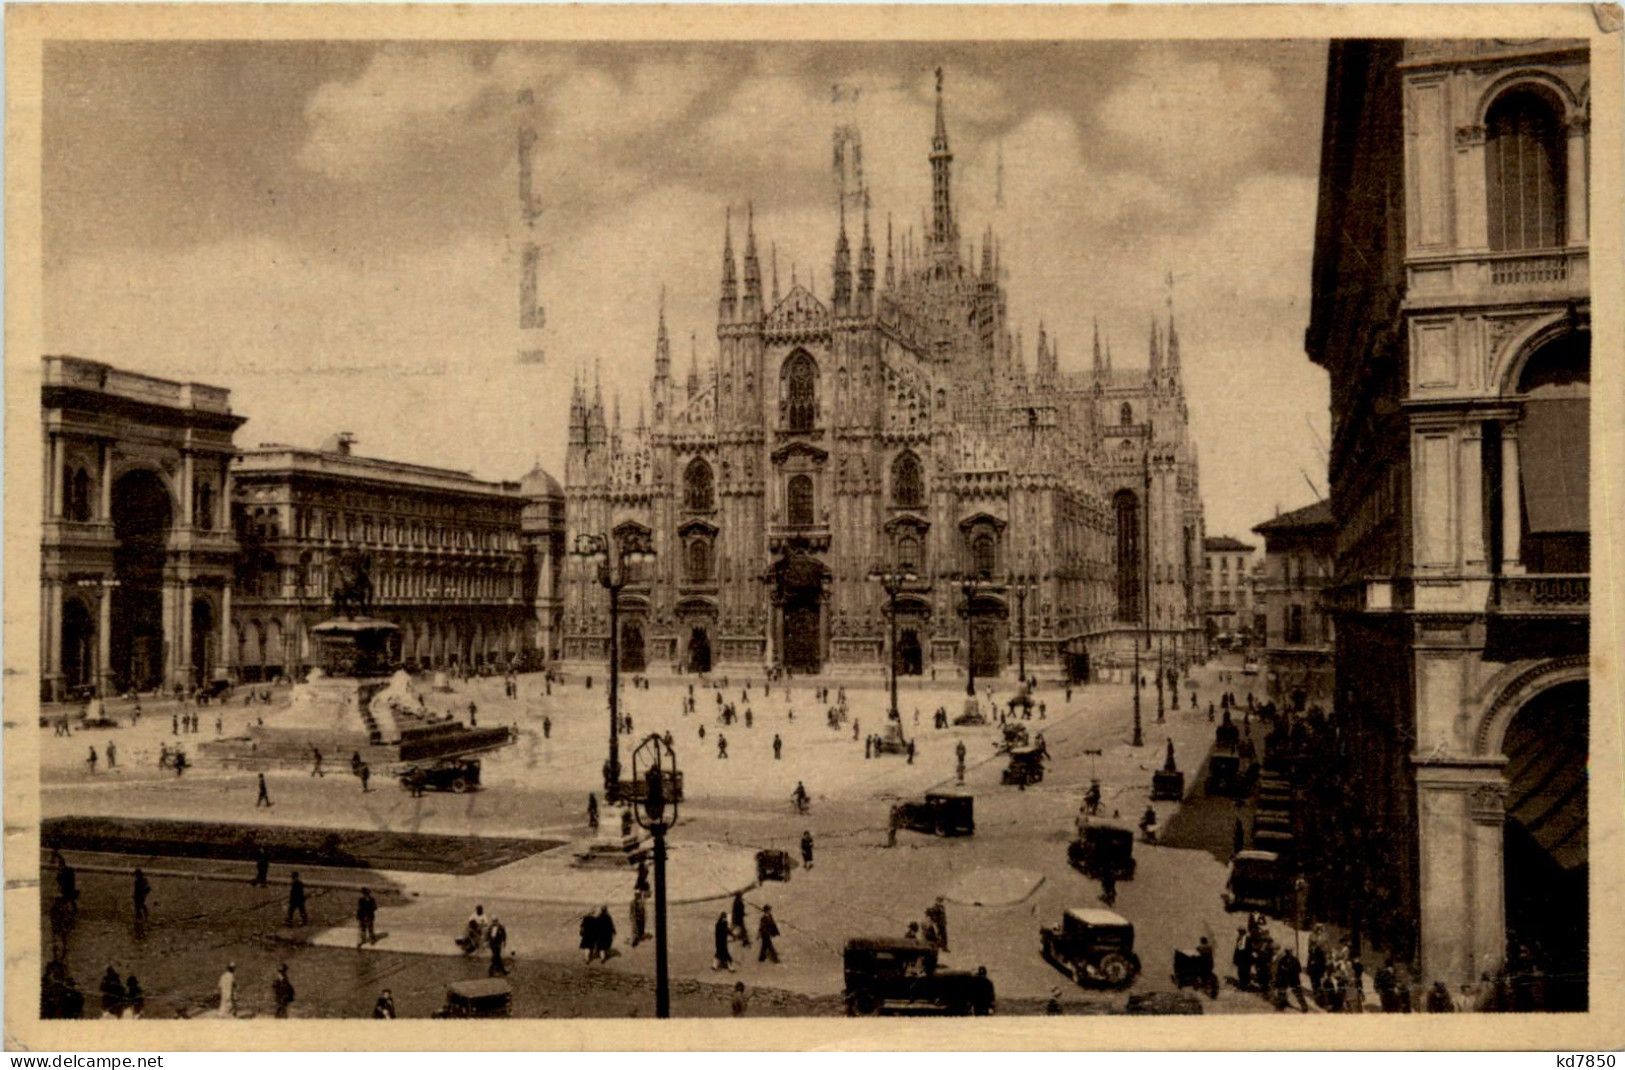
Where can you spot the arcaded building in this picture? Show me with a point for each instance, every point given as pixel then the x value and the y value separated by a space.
pixel 1452 310
pixel 892 422
pixel 137 549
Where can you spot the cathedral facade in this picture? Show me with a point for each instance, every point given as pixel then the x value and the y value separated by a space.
pixel 890 426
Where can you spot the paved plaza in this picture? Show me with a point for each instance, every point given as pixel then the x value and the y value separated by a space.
pixel 1001 884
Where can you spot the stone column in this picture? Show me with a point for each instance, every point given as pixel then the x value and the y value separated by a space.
pixel 51 637
pixel 228 649
pixel 1486 804
pixel 1472 497
pixel 188 503
pixel 183 666
pixel 1511 502
pixel 1472 214
pixel 1579 186
pixel 1445 848
pixel 104 640
pixel 105 513
pixel 56 489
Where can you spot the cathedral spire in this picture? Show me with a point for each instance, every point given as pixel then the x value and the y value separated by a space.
pixel 866 269
pixel 693 365
pixel 891 264
pixel 944 232
pixel 1173 345
pixel 727 307
pixel 1156 348
pixel 1099 362
pixel 841 287
pixel 578 410
pixel 662 342
pixel 752 306
pixel 775 274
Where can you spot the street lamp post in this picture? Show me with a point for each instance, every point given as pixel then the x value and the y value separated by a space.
pixel 892 580
pixel 969 585
pixel 1021 584
pixel 654 766
pixel 614 574
pixel 1139 735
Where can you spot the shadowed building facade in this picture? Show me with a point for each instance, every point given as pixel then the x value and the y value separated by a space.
pixel 891 422
pixel 137 550
pixel 1452 310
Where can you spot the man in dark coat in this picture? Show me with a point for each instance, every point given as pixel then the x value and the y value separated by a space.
pixel 766 930
pixel 1289 981
pixel 366 913
pixel 112 992
pixel 739 919
pixel 498 937
pixel 140 889
pixel 282 990
pixel 806 849
pixel 606 933
pixel 937 915
pixel 723 958
pixel 296 901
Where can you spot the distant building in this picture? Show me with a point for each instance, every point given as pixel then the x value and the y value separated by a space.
pixel 1451 307
pixel 1298 552
pixel 462 565
pixel 136 554
pixel 1230 605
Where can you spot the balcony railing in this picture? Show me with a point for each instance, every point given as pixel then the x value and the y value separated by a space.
pixel 1543 593
pixel 1530 269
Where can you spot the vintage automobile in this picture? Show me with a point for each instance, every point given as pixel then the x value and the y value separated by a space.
pixel 1093 947
pixel 901 976
pixel 1257 881
pixel 772 865
pixel 457 775
pixel 1168 785
pixel 941 813
pixel 1026 766
pixel 1015 735
pixel 1224 774
pixel 479 998
pixel 1103 846
pixel 1193 969
pixel 890 740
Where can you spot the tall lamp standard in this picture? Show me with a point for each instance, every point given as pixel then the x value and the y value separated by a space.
pixel 613 574
pixel 970 584
pixel 655 779
pixel 1021 584
pixel 893 580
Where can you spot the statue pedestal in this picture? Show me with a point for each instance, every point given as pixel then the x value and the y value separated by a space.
pixel 611 849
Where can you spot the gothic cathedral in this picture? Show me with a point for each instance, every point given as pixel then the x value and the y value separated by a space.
pixel 890 427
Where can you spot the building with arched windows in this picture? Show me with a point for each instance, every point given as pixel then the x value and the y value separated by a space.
pixel 1452 311
pixel 137 552
pixel 893 421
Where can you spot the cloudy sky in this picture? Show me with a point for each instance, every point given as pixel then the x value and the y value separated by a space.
pixel 332 230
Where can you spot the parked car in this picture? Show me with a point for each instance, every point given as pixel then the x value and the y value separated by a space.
pixel 479 998
pixel 1026 766
pixel 1168 785
pixel 942 813
pixel 456 775
pixel 901 976
pixel 1093 947
pixel 1257 881
pixel 1103 846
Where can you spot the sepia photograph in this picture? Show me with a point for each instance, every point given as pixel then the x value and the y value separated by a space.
pixel 678 521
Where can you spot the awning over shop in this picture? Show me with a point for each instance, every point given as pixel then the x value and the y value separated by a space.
pixel 1554 449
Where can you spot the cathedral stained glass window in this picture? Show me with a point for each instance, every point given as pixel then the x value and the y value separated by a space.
pixel 698 486
pixel 800 392
pixel 799 501
pixel 907 488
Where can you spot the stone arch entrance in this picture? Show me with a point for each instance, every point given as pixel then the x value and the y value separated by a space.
pixel 910 658
pixel 1546 861
pixel 799 581
pixel 699 650
pixel 143 514
pixel 633 656
pixel 78 645
pixel 204 632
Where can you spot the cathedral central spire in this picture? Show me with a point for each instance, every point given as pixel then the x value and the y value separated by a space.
pixel 944 232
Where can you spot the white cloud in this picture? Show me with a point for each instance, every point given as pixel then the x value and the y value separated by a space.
pixel 1194 118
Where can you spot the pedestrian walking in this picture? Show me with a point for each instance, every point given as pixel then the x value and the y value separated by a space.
pixel 219 725
pixel 589 935
pixel 1289 981
pixel 473 715
pixel 282 991
pixel 355 763
pixel 112 754
pixel 366 914
pixel 640 919
pixel 739 928
pixel 722 745
pixel 592 811
pixel 911 752
pixel 262 870
pixel 806 849
pixel 296 901
pixel 1108 886
pixel 316 762
pixel 868 746
pixel 722 958
pixel 937 915
pixel 959 762
pixel 606 933
pixel 778 747
pixel 174 724
pixel 264 798
pixel 766 930
pixel 91 761
pixel 140 889
pixel 366 777
pixel 497 936
pixel 894 821
pixel 547 728
pixel 228 991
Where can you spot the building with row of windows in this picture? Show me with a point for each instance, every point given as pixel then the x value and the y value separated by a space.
pixel 1451 309
pixel 1228 564
pixel 169 558
pixel 890 424
pixel 1298 632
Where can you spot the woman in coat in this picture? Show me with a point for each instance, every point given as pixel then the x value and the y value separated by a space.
pixel 724 959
